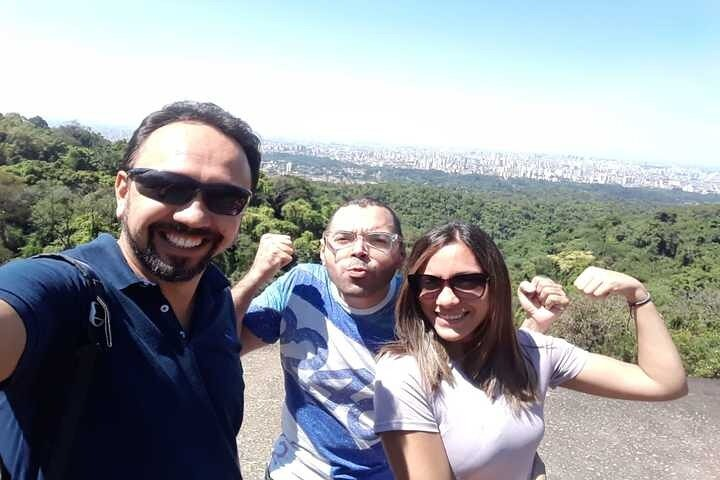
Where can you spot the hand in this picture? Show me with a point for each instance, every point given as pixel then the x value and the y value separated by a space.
pixel 597 282
pixel 274 252
pixel 543 301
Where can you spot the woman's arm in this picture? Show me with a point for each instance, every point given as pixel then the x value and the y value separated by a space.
pixel 416 455
pixel 659 373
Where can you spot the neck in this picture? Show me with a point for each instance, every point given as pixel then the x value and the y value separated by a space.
pixel 365 302
pixel 180 295
pixel 456 350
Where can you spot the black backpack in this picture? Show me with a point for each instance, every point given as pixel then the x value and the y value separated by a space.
pixel 99 340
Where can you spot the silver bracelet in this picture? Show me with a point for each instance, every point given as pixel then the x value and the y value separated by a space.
pixel 639 303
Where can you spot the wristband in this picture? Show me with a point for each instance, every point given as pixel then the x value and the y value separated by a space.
pixel 639 303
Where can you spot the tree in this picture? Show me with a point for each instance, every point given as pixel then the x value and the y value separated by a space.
pixel 15 201
pixel 22 139
pixel 77 158
pixel 307 248
pixel 51 218
pixel 280 190
pixel 571 263
pixel 301 213
pixel 39 122
pixel 75 134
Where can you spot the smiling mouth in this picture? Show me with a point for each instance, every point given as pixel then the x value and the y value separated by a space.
pixel 179 240
pixel 451 318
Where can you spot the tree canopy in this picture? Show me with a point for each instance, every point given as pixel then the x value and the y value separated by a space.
pixel 56 192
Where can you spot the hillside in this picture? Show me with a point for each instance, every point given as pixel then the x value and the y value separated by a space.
pixel 56 191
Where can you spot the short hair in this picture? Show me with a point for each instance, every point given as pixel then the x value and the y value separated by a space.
pixel 365 202
pixel 206 113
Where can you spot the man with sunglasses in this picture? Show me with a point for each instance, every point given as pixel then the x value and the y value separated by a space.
pixel 164 396
pixel 331 320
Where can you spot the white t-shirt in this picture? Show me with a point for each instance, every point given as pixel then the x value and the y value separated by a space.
pixel 483 439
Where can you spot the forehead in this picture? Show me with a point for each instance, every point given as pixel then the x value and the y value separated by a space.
pixel 362 219
pixel 452 259
pixel 196 149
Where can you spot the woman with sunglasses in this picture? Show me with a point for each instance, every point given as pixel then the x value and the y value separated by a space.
pixel 460 394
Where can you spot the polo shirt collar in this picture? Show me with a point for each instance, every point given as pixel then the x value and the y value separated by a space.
pixel 106 258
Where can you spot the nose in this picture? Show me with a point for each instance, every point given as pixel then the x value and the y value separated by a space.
pixel 447 297
pixel 194 214
pixel 359 247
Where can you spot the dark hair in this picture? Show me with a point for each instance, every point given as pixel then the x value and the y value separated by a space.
pixel 207 113
pixel 493 359
pixel 365 202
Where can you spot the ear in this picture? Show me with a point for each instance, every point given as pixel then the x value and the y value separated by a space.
pixel 122 193
pixel 322 250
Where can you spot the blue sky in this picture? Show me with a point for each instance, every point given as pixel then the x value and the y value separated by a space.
pixel 636 81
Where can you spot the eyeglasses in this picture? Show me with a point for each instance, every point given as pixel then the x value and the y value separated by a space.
pixel 381 241
pixel 177 189
pixel 465 285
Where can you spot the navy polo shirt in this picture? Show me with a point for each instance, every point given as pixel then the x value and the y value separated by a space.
pixel 163 402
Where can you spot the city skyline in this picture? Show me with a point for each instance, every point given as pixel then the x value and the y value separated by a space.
pixel 634 83
pixel 357 163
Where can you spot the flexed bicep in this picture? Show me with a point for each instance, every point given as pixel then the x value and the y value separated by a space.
pixel 659 373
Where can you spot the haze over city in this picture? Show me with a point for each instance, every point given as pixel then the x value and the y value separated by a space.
pixel 631 82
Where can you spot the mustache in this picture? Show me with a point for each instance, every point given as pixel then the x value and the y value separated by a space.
pixel 355 263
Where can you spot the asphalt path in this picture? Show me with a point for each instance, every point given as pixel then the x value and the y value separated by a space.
pixel 585 437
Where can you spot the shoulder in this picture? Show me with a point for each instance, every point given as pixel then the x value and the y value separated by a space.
pixel 401 401
pixel 304 273
pixel 529 339
pixel 395 360
pixel 309 272
pixel 299 279
pixel 45 274
pixel 394 365
pixel 532 339
pixel 39 289
pixel 303 280
pixel 555 359
pixel 534 343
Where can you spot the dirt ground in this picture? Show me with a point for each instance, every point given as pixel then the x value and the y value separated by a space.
pixel 586 437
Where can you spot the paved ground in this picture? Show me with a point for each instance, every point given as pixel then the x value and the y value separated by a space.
pixel 586 437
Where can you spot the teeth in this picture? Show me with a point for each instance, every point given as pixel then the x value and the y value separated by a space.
pixel 182 242
pixel 452 317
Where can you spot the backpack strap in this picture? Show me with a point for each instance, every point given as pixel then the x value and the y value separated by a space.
pixel 99 329
pixel 100 340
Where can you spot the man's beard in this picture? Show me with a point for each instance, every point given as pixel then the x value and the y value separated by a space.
pixel 173 269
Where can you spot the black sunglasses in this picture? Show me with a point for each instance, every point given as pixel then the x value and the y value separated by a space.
pixel 463 285
pixel 177 189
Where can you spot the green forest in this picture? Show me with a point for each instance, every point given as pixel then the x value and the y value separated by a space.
pixel 56 191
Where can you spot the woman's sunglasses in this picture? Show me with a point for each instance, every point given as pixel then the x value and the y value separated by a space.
pixel 177 189
pixel 468 285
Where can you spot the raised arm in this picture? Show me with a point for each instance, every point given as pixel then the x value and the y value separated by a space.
pixel 12 340
pixel 659 373
pixel 543 301
pixel 274 252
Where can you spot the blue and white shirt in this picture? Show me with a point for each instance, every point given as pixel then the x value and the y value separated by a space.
pixel 328 359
